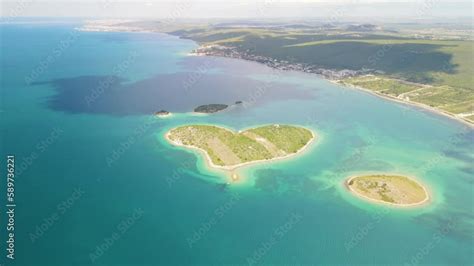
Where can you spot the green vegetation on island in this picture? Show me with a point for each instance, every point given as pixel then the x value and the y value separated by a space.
pixel 392 189
pixel 162 113
pixel 228 149
pixel 210 108
pixel 433 70
pixel 413 63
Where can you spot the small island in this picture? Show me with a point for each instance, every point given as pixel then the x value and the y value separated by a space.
pixel 162 113
pixel 388 189
pixel 210 108
pixel 228 150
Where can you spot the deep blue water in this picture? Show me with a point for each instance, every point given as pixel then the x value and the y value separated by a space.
pixel 97 184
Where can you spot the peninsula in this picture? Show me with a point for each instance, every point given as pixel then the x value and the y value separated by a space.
pixel 228 150
pixel 389 189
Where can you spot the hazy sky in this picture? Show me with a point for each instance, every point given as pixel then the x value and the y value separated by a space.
pixel 415 9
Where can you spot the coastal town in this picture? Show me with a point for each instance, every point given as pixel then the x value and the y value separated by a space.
pixel 233 52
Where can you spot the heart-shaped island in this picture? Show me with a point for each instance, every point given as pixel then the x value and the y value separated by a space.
pixel 228 150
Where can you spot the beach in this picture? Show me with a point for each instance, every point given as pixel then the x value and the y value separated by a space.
pixel 234 167
pixel 121 159
pixel 424 202
pixel 109 27
pixel 398 100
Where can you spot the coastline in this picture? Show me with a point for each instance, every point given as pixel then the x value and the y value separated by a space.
pixel 338 82
pixel 383 96
pixel 230 168
pixel 110 28
pixel 411 103
pixel 422 203
pixel 165 116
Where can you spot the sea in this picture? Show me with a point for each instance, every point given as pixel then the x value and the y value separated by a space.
pixel 96 183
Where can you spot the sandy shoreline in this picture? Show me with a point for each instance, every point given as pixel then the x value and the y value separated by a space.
pixel 165 116
pixel 383 96
pixel 231 168
pixel 424 202
pixel 420 105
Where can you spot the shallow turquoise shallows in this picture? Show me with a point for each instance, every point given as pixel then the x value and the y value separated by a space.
pixel 97 183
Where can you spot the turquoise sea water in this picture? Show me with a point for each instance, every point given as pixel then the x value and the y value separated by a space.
pixel 97 183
